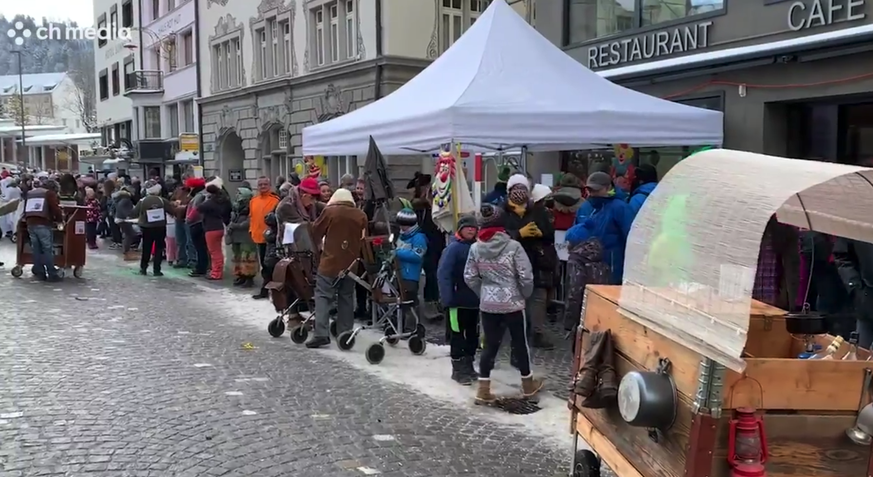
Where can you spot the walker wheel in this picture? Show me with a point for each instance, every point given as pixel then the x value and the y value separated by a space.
pixel 420 331
pixel 390 332
pixel 417 345
pixel 77 272
pixel 586 464
pixel 299 334
pixel 375 353
pixel 14 238
pixel 276 327
pixel 332 328
pixel 17 271
pixel 345 340
pixel 62 272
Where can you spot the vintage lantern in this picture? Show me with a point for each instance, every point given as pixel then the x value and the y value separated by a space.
pixel 747 444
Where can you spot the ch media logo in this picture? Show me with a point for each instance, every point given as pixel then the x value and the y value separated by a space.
pixel 18 33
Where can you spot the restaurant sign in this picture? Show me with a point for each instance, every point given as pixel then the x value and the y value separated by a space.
pixel 803 15
pixel 656 44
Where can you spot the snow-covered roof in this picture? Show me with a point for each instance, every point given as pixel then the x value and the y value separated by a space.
pixel 33 83
pixel 740 52
pixel 15 131
pixel 61 139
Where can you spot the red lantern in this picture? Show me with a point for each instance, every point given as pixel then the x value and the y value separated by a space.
pixel 747 444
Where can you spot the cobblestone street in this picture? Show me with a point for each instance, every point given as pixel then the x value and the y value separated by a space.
pixel 122 375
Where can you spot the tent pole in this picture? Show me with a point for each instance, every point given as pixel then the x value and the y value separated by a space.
pixel 458 165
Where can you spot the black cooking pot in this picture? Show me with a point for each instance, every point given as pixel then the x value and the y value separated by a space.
pixel 648 399
pixel 806 323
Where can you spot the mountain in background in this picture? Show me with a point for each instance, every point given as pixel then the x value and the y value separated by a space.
pixel 75 57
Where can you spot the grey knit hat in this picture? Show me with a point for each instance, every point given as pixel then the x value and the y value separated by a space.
pixel 490 216
pixel 467 221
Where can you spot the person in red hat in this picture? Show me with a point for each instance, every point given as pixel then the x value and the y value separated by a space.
pixel 301 204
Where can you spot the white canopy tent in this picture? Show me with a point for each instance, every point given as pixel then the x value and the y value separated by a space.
pixel 503 85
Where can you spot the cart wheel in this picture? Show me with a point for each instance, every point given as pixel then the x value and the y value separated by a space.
pixel 77 272
pixel 17 271
pixel 417 345
pixel 276 327
pixel 375 353
pixel 388 332
pixel 587 464
pixel 332 329
pixel 299 334
pixel 420 331
pixel 345 340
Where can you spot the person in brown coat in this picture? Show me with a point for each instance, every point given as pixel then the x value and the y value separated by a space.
pixel 342 226
pixel 42 210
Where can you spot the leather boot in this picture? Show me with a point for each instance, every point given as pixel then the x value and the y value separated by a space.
pixel 608 385
pixel 530 386
pixel 131 256
pixel 459 373
pixel 586 380
pixel 484 395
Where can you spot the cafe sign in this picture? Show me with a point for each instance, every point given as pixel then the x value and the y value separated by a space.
pixel 804 15
pixel 656 44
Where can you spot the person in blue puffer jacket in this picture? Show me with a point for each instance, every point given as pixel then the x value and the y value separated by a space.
pixel 645 181
pixel 410 250
pixel 586 209
pixel 609 222
pixel 462 303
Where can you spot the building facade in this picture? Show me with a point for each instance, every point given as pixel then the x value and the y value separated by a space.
pixel 49 99
pixel 164 86
pixel 271 68
pixel 115 60
pixel 791 76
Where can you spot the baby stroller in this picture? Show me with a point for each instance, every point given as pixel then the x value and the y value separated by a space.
pixel 388 306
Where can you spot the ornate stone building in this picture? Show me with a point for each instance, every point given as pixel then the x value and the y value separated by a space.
pixel 271 69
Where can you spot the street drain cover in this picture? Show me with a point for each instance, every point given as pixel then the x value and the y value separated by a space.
pixel 516 406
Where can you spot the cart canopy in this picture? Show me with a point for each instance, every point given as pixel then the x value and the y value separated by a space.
pixel 692 252
pixel 501 86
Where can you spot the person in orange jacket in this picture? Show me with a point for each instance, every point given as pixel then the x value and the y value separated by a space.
pixel 262 204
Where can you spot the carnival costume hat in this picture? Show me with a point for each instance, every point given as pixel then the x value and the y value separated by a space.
pixel 419 180
pixel 406 217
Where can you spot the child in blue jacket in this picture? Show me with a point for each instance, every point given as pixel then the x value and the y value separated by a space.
pixel 410 250
pixel 462 303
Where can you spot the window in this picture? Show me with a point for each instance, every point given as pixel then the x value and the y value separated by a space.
pixel 238 65
pixel 101 24
pixel 104 85
pixel 173 120
pixel 187 48
pixel 476 8
pixel 228 64
pixel 262 52
pixel 116 84
pixel 127 14
pixel 283 139
pixel 334 33
pixel 220 67
pixel 351 44
pixel 274 48
pixel 286 45
pixel 452 19
pixel 171 54
pixel 591 19
pixel 156 9
pixel 660 11
pixel 188 116
pixel 129 72
pixel 152 121
pixel 113 21
pixel 171 5
pixel 319 37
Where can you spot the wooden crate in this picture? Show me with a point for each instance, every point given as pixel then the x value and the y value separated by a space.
pixel 807 405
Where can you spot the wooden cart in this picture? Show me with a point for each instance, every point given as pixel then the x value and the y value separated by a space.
pixel 807 405
pixel 69 244
pixel 687 301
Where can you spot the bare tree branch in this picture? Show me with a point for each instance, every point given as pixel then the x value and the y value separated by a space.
pixel 82 100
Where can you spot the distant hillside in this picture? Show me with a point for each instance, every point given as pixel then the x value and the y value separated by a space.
pixel 43 56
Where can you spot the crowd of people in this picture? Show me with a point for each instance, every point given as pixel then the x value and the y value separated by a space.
pixel 497 273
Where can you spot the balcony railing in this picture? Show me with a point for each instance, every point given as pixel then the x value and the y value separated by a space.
pixel 145 81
